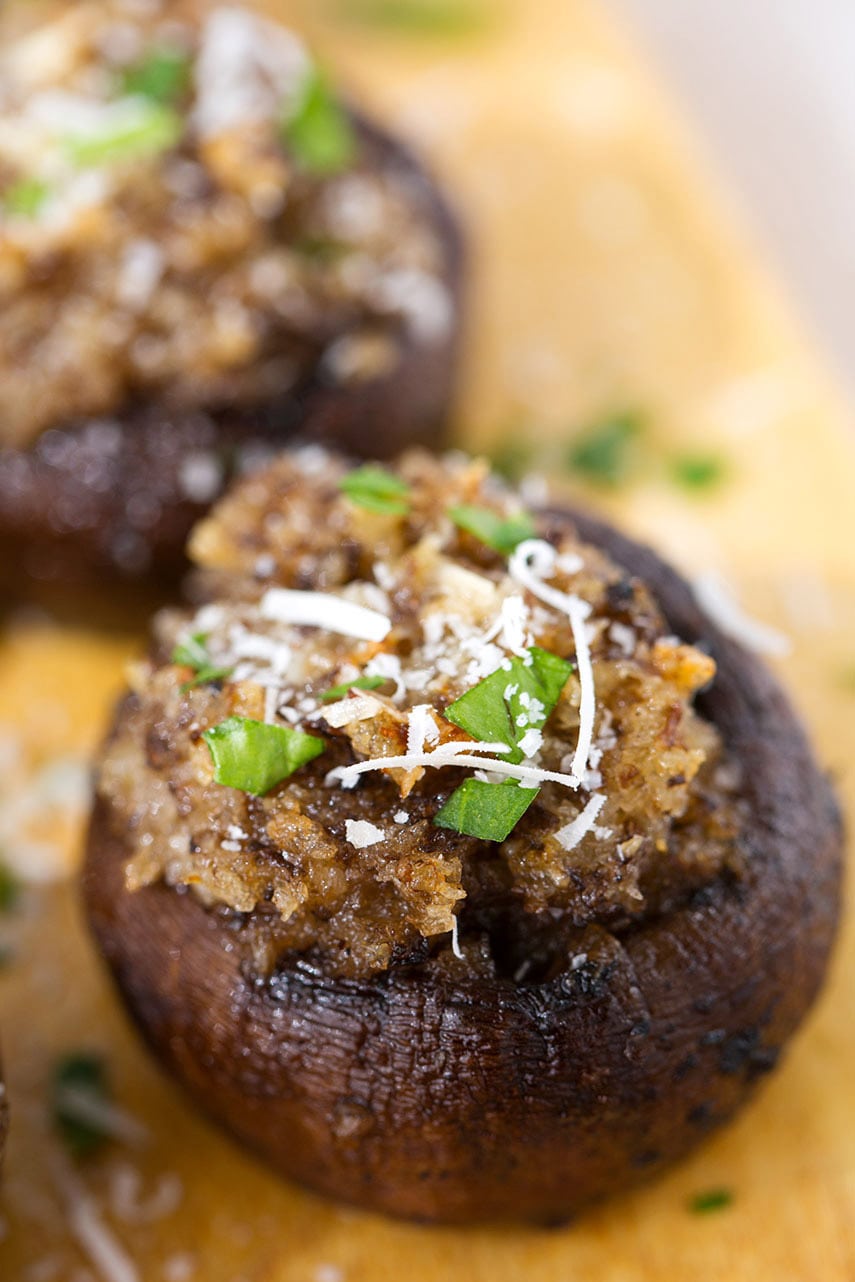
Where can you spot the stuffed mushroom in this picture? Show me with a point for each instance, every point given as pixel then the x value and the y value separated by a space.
pixel 202 253
pixel 4 1117
pixel 448 853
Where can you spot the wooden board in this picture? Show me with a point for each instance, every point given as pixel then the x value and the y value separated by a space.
pixel 606 275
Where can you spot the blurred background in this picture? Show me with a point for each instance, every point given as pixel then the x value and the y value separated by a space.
pixel 771 84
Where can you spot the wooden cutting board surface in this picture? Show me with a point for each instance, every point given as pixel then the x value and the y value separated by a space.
pixel 606 275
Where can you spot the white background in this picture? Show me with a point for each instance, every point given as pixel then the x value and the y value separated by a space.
pixel 771 86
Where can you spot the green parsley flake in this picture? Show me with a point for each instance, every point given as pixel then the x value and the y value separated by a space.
pixel 416 17
pixel 503 534
pixel 361 683
pixel 698 471
pixel 318 131
pixel 604 454
pixel 25 198
pixel 193 653
pixel 377 490
pixel 79 1080
pixel 712 1200
pixel 512 457
pixel 517 698
pixel 162 75
pixel 10 889
pixel 254 756
pixel 141 128
pixel 489 811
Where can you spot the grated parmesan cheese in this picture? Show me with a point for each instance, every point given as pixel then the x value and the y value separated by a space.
pixel 530 564
pixel 90 1110
pixel 322 610
pixel 421 728
pixel 130 1206
pixel 361 834
pixel 388 666
pixel 719 601
pixel 531 743
pixel 586 821
pixel 511 629
pixel 455 939
pixel 140 270
pixel 452 754
pixel 245 70
pixel 350 710
pixel 624 638
pixel 100 1245
pixel 200 476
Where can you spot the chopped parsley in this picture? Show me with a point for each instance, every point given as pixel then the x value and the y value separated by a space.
pixel 711 1200
pixel 361 683
pixel 138 128
pixel 318 131
pixel 517 698
pixel 416 17
pixel 320 249
pixel 489 811
pixel 698 471
pixel 604 453
pixel 80 1079
pixel 162 74
pixel 377 490
pixel 25 198
pixel 193 653
pixel 503 534
pixel 254 756
pixel 512 457
pixel 10 889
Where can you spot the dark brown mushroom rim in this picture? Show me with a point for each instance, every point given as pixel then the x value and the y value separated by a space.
pixel 75 511
pixel 4 1118
pixel 448 1099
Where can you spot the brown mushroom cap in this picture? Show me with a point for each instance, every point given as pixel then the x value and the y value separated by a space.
pixel 73 512
pixel 456 1100
pixel 4 1117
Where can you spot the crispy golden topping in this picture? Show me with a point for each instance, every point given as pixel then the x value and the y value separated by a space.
pixel 383 721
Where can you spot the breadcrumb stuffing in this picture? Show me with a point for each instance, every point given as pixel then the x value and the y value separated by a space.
pixel 329 860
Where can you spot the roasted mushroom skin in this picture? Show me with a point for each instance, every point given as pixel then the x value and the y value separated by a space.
pixel 441 1097
pixel 4 1118
pixel 92 503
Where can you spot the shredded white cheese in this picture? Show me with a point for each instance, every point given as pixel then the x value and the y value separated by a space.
pixel 452 754
pixel 246 69
pixel 388 666
pixel 321 610
pixel 530 564
pixel 348 711
pixel 91 1110
pixel 623 637
pixel 421 728
pixel 455 939
pixel 200 476
pixel 128 1203
pixel 100 1245
pixel 719 601
pixel 140 270
pixel 511 627
pixel 586 821
pixel 361 834
pixel 531 743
